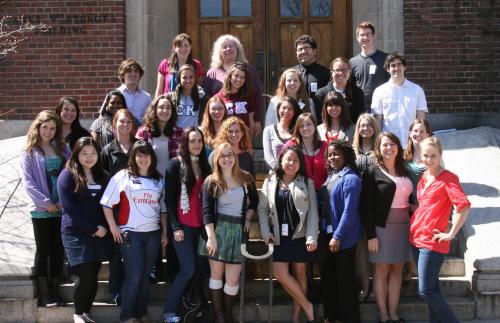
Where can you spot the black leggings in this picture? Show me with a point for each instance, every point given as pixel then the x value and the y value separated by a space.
pixel 49 254
pixel 85 277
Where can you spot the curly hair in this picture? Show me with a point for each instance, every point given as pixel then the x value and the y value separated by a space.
pixel 347 152
pixel 151 118
pixel 223 133
pixel 33 137
pixel 216 54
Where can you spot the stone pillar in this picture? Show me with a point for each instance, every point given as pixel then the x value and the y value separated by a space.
pixel 151 26
pixel 387 17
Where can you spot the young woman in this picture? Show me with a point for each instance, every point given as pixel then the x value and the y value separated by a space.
pixel 184 176
pixel 69 112
pixel 239 96
pixel 337 122
pixel 365 134
pixel 287 202
pixel 305 135
pixel 234 131
pixel 340 195
pixel 340 81
pixel 41 162
pixel 115 157
pixel 276 135
pixel 168 68
pixel 83 226
pixel 139 228
pixel 215 113
pixel 226 51
pixel 438 191
pixel 230 200
pixel 188 98
pixel 385 209
pixel 290 84
pixel 101 129
pixel 160 131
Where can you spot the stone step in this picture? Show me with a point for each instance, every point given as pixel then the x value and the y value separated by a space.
pixel 409 308
pixel 450 287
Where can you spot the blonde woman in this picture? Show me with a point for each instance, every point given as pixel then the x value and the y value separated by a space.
pixel 229 200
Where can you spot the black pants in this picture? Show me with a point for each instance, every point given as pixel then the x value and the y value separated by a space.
pixel 85 278
pixel 49 253
pixel 340 293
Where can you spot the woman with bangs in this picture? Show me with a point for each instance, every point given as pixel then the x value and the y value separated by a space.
pixel 290 84
pixel 215 113
pixel 69 112
pixel 41 163
pixel 184 177
pixel 167 70
pixel 336 120
pixel 276 136
pixel 234 131
pixel 385 208
pixel 230 200
pixel 139 228
pixel 160 131
pixel 287 203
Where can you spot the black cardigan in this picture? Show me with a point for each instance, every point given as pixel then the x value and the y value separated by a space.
pixel 209 203
pixel 376 199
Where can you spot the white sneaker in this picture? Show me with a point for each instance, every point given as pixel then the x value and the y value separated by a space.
pixel 79 318
pixel 87 317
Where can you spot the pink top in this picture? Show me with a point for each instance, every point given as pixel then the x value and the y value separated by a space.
pixel 193 218
pixel 315 165
pixel 434 209
pixel 163 70
pixel 404 187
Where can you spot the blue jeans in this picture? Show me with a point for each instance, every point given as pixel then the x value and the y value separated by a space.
pixel 139 256
pixel 116 271
pixel 429 265
pixel 186 250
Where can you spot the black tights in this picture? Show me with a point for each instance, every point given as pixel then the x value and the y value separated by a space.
pixel 85 286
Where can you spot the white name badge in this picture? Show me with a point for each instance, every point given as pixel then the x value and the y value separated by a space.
pixel 314 87
pixel 373 68
pixel 284 230
pixel 329 228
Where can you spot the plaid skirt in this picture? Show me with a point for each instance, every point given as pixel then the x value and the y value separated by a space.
pixel 228 233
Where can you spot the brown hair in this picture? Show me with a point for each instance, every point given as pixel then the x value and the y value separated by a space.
pixel 364 25
pixel 151 118
pixel 76 169
pixel 207 124
pixel 33 136
pixel 173 59
pixel 297 137
pixel 129 115
pixel 379 160
pixel 145 148
pixel 302 94
pixel 335 98
pixel 247 88
pixel 348 87
pixel 410 149
pixel 127 66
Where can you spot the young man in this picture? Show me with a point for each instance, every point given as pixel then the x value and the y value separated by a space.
pixel 367 68
pixel 398 102
pixel 315 75
pixel 130 73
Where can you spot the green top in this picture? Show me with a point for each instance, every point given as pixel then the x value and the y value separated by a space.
pixel 52 167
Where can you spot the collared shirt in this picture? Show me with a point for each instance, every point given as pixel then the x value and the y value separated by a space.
pixel 398 104
pixel 137 101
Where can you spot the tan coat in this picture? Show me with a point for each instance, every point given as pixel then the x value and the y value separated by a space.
pixel 304 198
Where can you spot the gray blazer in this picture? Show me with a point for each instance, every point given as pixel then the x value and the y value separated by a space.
pixel 304 198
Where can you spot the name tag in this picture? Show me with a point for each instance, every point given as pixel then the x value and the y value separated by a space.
pixel 284 230
pixel 372 70
pixel 329 228
pixel 314 87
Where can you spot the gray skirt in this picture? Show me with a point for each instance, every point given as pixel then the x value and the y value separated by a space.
pixel 394 246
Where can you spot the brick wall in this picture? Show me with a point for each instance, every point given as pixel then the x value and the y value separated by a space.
pixel 78 55
pixel 453 48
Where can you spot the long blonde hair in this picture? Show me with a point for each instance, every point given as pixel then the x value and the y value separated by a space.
pixel 33 136
pixel 301 92
pixel 217 186
pixel 357 141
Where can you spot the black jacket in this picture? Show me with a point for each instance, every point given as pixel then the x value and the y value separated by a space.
pixel 355 103
pixel 113 157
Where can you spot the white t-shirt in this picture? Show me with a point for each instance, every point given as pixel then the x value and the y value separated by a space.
pixel 140 201
pixel 398 105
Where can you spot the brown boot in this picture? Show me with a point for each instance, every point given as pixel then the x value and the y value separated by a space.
pixel 228 307
pixel 218 305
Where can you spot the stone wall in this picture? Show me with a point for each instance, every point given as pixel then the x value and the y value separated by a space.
pixel 452 47
pixel 77 55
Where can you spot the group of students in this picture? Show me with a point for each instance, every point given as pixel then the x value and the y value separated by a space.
pixel 340 194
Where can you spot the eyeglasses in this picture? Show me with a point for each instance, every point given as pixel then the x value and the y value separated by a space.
pixel 368 34
pixel 303 49
pixel 229 156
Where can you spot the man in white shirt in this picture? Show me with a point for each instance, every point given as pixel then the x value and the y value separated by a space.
pixel 398 102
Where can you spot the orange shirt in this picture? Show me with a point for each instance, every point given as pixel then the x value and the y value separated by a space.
pixel 434 210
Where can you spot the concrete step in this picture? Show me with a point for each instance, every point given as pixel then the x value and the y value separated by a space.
pixel 19 310
pixel 450 287
pixel 409 308
pixel 17 288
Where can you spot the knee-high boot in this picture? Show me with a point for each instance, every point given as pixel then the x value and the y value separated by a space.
pixel 229 301
pixel 218 305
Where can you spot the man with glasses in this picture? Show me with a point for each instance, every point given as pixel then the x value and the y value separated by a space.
pixel 367 68
pixel 315 75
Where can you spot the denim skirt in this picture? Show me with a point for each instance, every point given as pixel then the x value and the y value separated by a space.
pixel 82 249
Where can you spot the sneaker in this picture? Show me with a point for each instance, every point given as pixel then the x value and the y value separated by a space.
pixel 87 317
pixel 172 318
pixel 79 318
